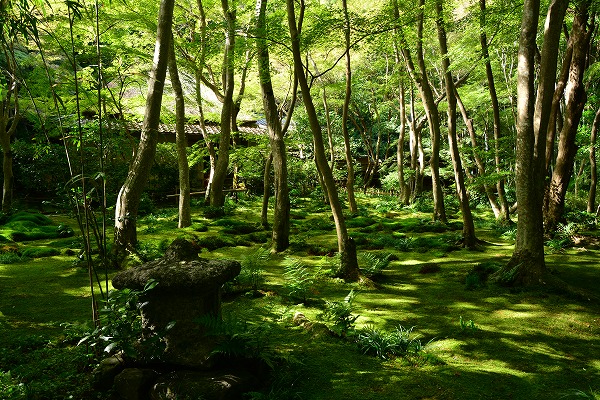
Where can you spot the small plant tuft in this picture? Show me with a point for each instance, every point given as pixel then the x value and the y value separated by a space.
pixel 374 264
pixel 384 345
pixel 340 314
pixel 299 280
pixel 467 326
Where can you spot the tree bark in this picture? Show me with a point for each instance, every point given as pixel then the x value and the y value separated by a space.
pixel 281 218
pixel 217 195
pixel 469 239
pixel 503 213
pixel 421 80
pixel 9 119
pixel 527 265
pixel 347 97
pixel 264 214
pixel 576 98
pixel 404 188
pixel 185 214
pixel 349 264
pixel 478 161
pixel 128 199
pixel 591 204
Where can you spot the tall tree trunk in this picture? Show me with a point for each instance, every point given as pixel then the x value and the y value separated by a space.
pixel 576 98
pixel 345 107
pixel 264 214
pixel 527 265
pixel 329 129
pixel 185 214
pixel 504 210
pixel 478 161
pixel 422 81
pixel 469 239
pixel 349 264
pixel 404 189
pixel 217 195
pixel 9 119
pixel 591 204
pixel 417 154
pixel 281 219
pixel 128 200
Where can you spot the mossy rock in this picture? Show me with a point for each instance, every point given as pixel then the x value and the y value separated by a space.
pixel 39 252
pixel 215 242
pixel 479 274
pixel 34 218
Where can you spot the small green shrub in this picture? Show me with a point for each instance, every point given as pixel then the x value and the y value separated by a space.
pixel 214 242
pixel 11 388
pixel 299 280
pixel 360 222
pixel 235 227
pixel 34 218
pixel 252 274
pixel 384 344
pixel 199 227
pixel 39 252
pixel 213 212
pixel 478 275
pixel 339 313
pixel 467 326
pixel 120 328
pixel 11 258
pixel 372 265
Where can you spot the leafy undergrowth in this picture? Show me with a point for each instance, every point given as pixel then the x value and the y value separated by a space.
pixel 475 339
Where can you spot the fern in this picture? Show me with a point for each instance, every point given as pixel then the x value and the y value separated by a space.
pixel 299 281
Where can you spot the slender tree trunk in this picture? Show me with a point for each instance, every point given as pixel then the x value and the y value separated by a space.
pixel 264 215
pixel 128 200
pixel 9 119
pixel 345 107
pixel 212 154
pixel 185 215
pixel 527 265
pixel 281 218
pixel 329 130
pixel 469 239
pixel 404 189
pixel 591 204
pixel 502 202
pixel 478 161
pixel 576 98
pixel 217 195
pixel 349 264
pixel 422 81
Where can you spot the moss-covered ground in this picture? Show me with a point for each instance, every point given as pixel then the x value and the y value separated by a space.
pixel 511 344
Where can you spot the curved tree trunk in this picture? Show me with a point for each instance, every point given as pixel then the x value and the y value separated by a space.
pixel 349 264
pixel 576 98
pixel 281 218
pixel 478 161
pixel 185 215
pixel 421 80
pixel 345 107
pixel 128 200
pixel 217 195
pixel 469 239
pixel 502 202
pixel 591 204
pixel 404 188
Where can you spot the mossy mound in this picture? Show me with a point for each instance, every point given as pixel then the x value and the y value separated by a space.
pixel 24 226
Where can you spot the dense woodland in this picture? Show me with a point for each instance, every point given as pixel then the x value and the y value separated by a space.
pixel 339 150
